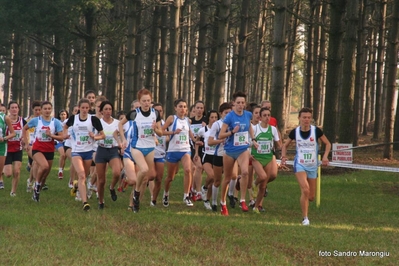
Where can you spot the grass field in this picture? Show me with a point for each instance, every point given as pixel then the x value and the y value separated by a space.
pixel 358 212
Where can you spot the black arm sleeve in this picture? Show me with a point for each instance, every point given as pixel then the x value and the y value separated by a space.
pixel 131 115
pixel 292 134
pixel 96 123
pixel 70 121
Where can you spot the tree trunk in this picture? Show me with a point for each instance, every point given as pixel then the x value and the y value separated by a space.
pixel 173 57
pixel 163 50
pixel 220 70
pixel 334 62
pixel 16 84
pixel 279 58
pixel 382 11
pixel 210 82
pixel 310 47
pixel 153 40
pixel 58 66
pixel 392 124
pixel 91 50
pixel 242 46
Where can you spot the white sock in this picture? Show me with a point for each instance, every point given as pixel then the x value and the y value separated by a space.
pixel 232 187
pixel 215 191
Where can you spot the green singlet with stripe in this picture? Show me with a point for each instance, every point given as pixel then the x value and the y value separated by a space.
pixel 265 140
pixel 3 128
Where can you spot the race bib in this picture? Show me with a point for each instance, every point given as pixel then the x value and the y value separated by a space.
pixel 210 148
pixel 43 137
pixel 307 157
pixel 82 138
pixel 181 139
pixel 108 142
pixel 265 147
pixel 195 128
pixel 146 130
pixel 241 138
pixel 18 135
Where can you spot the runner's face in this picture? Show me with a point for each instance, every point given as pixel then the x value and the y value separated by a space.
pixel 265 116
pixel 239 104
pixel 212 118
pixel 84 108
pixel 199 109
pixel 107 111
pixel 225 112
pixel 181 109
pixel 14 109
pixel 63 116
pixel 37 111
pixel 75 110
pixel 305 119
pixel 91 97
pixel 145 102
pixel 46 110
pixel 160 110
pixel 3 109
pixel 256 115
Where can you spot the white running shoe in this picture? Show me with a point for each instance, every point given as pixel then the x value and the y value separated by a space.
pixel 188 202
pixel 77 197
pixel 204 193
pixel 207 205
pixel 305 221
pixel 28 186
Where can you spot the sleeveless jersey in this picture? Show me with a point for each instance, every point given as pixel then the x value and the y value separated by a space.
pixel 109 130
pixel 3 125
pixel 43 142
pixel 204 133
pixel 179 142
pixel 265 138
pixel 15 144
pixel 143 133
pixel 81 141
pixel 160 149
pixel 306 149
pixel 214 132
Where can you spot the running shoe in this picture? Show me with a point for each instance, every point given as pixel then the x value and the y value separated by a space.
pixel 165 201
pixel 77 197
pixel 207 205
pixel 114 197
pixel 60 175
pixel 70 184
pixel 101 206
pixel 214 208
pixel 93 188
pixel 243 206
pixel 28 186
pixel 12 194
pixel 74 188
pixel 136 204
pixel 251 203
pixel 266 193
pixel 86 207
pixel 153 203
pixel 28 168
pixel 196 197
pixel 232 201
pixel 89 193
pixel 188 202
pixel 256 210
pixel 45 187
pixel 35 195
pixel 1 185
pixel 223 210
pixel 305 221
pixel 204 192
pixel 261 209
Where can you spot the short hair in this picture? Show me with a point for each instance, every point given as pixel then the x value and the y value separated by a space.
pixel 35 104
pixel 13 102
pixel 305 110
pixel 61 111
pixel 251 106
pixel 157 104
pixel 143 92
pixel 239 94
pixel 89 92
pixel 264 109
pixel 176 102
pixel 100 98
pixel 224 106
pixel 208 114
pixel 82 101
pixel 45 103
pixel 119 113
pixel 104 103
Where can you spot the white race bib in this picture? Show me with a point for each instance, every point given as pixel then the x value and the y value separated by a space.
pixel 264 147
pixel 241 138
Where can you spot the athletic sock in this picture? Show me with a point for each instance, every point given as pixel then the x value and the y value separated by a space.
pixel 215 191
pixel 232 187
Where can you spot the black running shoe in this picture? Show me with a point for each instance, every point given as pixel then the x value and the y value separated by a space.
pixel 136 204
pixel 214 208
pixel 36 195
pixel 232 201
pixel 101 206
pixel 86 207
pixel 114 197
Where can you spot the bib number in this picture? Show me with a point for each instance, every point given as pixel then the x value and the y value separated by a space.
pixel 241 138
pixel 264 147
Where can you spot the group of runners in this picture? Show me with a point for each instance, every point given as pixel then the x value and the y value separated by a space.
pixel 235 146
